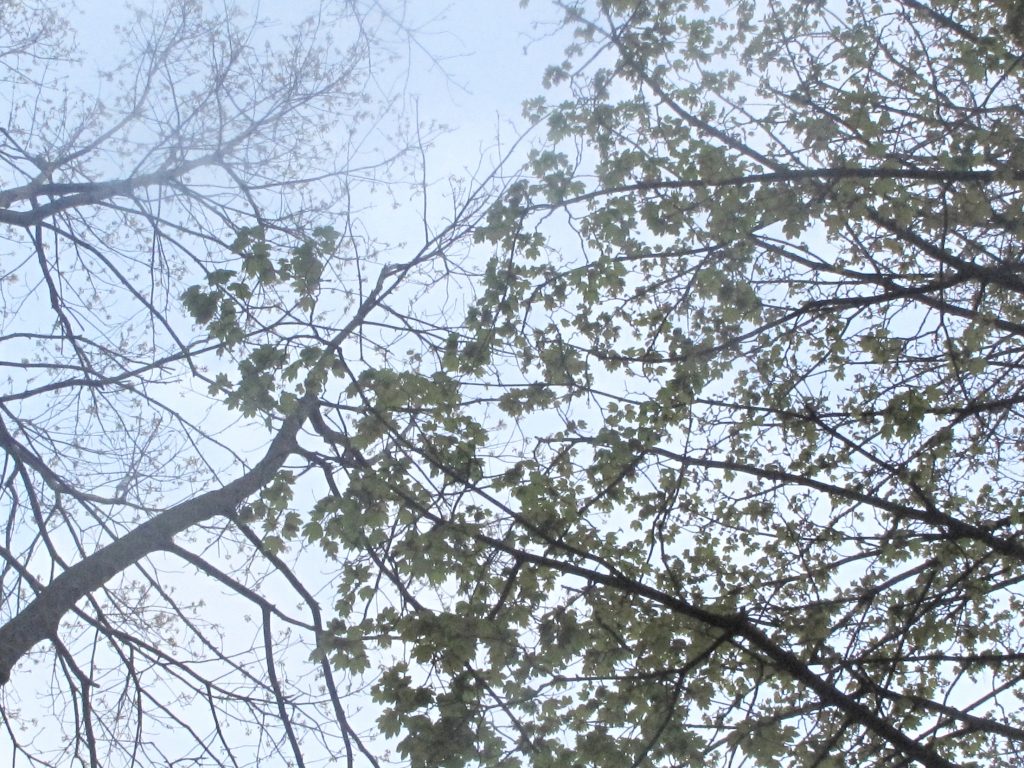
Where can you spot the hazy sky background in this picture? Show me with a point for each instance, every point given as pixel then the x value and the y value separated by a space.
pixel 493 54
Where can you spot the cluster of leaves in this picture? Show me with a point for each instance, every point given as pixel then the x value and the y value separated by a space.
pixel 757 323
pixel 234 306
pixel 225 288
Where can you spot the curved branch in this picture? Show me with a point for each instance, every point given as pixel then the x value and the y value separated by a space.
pixel 40 619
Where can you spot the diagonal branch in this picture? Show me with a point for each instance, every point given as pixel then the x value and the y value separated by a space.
pixel 40 619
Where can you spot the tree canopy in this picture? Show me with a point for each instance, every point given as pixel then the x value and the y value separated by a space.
pixel 754 320
pixel 698 444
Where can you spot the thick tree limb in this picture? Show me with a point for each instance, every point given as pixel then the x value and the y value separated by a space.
pixel 69 196
pixel 40 619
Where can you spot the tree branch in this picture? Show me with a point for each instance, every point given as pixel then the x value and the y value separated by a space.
pixel 40 619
